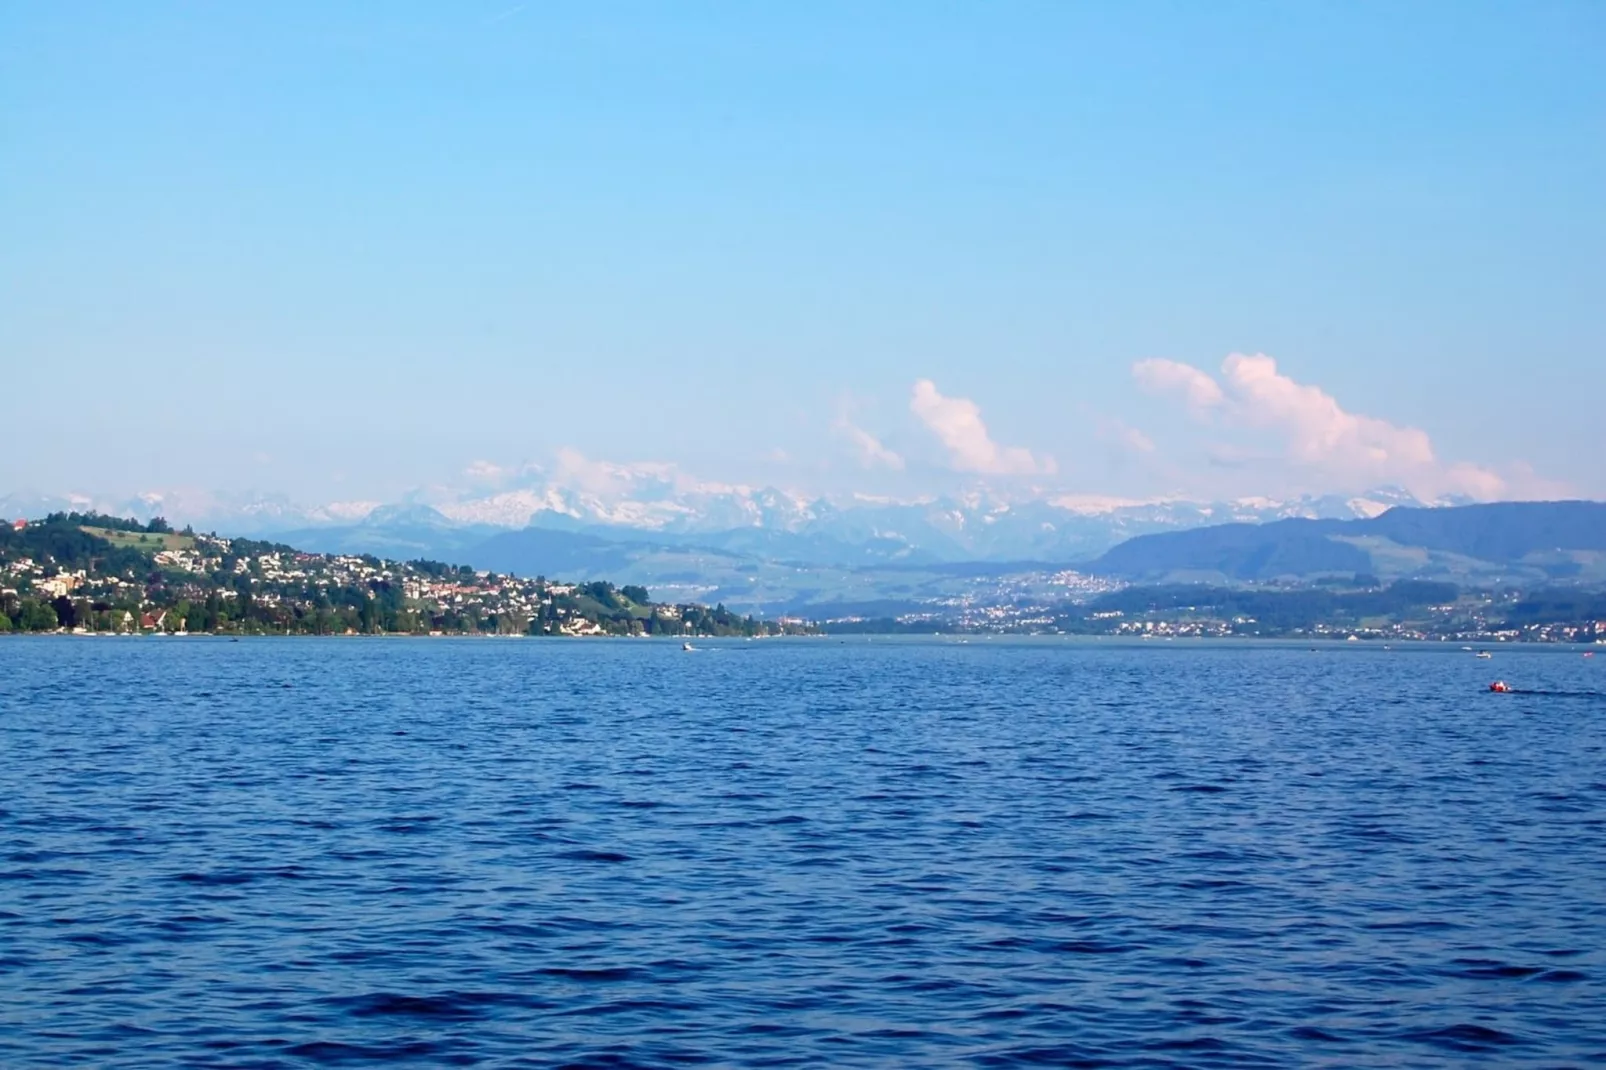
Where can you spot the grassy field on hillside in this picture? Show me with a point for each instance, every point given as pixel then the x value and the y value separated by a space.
pixel 141 540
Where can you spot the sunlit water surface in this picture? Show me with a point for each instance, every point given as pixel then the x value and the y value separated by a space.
pixel 817 852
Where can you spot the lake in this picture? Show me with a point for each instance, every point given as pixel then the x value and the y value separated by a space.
pixel 862 852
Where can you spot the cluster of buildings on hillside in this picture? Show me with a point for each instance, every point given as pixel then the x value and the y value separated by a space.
pixel 206 581
pixel 1020 601
pixel 27 575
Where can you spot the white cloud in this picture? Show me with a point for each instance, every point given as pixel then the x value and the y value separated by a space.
pixel 1167 376
pixel 1480 483
pixel 1316 432
pixel 958 426
pixel 870 450
pixel 1123 434
pixel 484 472
pixel 575 469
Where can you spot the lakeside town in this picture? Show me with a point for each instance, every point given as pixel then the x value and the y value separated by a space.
pixel 1364 609
pixel 1183 624
pixel 91 574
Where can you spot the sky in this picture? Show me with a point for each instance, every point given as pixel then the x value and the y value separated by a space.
pixel 1134 248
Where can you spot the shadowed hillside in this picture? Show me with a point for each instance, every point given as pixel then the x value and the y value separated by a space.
pixel 1502 541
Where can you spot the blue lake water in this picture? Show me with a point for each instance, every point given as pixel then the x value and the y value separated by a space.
pixel 293 853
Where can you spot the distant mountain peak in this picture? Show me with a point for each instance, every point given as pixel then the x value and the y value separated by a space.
pixel 659 501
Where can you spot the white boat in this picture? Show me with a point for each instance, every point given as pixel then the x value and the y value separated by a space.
pixel 687 646
pixel 1484 654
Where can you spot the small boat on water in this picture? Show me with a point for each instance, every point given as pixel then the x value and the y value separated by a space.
pixel 1500 687
pixel 1483 654
pixel 687 646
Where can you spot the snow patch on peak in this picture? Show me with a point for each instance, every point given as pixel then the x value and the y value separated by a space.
pixel 1098 504
pixel 1367 508
pixel 353 510
pixel 509 509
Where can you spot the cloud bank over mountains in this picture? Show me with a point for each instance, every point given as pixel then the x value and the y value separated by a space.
pixel 1319 439
pixel 957 424
pixel 869 450
pixel 1248 432
pixel 576 514
pixel 1250 429
pixel 947 489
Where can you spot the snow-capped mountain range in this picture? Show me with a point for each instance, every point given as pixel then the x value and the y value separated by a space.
pixel 760 549
pixel 659 504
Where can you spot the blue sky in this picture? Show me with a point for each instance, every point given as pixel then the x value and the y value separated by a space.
pixel 341 250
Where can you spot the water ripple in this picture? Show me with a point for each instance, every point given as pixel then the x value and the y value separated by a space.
pixel 286 853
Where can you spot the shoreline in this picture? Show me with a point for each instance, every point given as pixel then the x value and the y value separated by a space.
pixel 1449 645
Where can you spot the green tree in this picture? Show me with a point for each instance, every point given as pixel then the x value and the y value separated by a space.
pixel 38 617
pixel 66 613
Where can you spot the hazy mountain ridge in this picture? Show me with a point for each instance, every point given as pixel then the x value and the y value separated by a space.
pixel 979 522
pixel 1488 543
pixel 772 551
pixel 759 548
pixel 648 502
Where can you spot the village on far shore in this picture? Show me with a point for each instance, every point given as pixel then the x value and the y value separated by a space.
pixel 93 574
